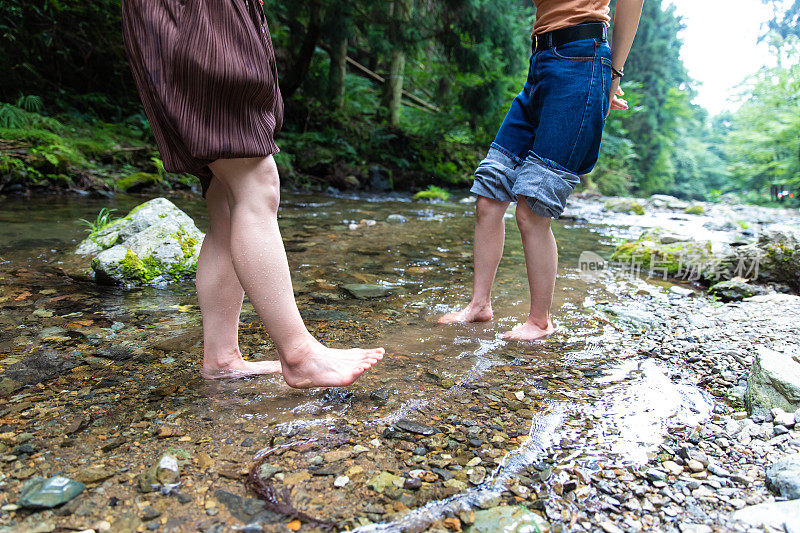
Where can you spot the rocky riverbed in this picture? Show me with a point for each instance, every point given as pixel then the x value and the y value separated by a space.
pixel 632 417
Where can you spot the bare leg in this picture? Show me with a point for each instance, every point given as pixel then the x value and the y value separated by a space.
pixel 541 261
pixel 490 235
pixel 259 260
pixel 220 295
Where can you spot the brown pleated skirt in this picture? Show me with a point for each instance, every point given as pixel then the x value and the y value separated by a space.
pixel 206 74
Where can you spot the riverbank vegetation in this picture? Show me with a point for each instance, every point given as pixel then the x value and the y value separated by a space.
pixel 393 94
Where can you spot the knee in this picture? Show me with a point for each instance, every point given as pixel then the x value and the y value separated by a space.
pixel 487 209
pixel 261 193
pixel 527 220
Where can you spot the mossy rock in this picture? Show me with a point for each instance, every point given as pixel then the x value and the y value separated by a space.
pixel 624 205
pixel 137 181
pixel 670 259
pixel 155 242
pixel 695 210
pixel 735 290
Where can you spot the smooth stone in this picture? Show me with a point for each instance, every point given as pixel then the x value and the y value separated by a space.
pixel 413 427
pixel 396 219
pixel 695 465
pixel 41 493
pixel 782 418
pixel 366 291
pixel 385 480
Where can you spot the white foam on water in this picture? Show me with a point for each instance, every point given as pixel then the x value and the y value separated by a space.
pixel 634 416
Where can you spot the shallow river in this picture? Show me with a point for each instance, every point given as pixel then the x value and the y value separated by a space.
pixel 437 375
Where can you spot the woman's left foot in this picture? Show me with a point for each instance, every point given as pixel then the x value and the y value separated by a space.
pixel 529 332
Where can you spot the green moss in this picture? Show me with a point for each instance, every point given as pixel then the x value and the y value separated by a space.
pixel 139 270
pixel 432 193
pixel 187 265
pixel 695 210
pixel 672 258
pixel 137 179
pixel 134 269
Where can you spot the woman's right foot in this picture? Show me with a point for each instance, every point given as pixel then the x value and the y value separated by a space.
pixel 240 369
pixel 315 365
pixel 471 313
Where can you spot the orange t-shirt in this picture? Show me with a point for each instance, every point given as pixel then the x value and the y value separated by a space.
pixel 554 14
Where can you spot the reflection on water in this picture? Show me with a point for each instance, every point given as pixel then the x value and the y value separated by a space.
pixel 427 259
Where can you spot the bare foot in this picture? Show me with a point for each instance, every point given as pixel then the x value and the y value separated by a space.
pixel 529 332
pixel 241 369
pixel 471 313
pixel 319 366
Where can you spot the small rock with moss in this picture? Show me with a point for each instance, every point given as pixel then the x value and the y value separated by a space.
pixel 735 290
pixel 624 205
pixel 156 241
pixel 696 209
pixel 137 181
pixel 432 193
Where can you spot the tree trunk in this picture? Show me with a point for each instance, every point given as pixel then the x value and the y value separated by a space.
pixel 302 61
pixel 338 71
pixel 393 89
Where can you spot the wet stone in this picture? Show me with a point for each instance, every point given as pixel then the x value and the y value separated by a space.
pixel 366 291
pixel 413 427
pixel 40 366
pixel 116 353
pixel 245 509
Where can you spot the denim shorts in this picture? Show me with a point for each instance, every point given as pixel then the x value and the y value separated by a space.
pixel 551 135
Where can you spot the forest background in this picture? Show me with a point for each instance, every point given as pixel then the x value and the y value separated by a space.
pixel 402 94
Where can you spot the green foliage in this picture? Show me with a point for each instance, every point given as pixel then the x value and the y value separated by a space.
pixel 464 60
pixel 45 150
pixel 65 50
pixel 432 193
pixel 103 220
pixel 764 138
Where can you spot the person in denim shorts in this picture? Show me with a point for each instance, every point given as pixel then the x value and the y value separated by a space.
pixel 550 136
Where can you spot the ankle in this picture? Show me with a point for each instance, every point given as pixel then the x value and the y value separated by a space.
pixel 480 305
pixel 293 354
pixel 541 322
pixel 221 359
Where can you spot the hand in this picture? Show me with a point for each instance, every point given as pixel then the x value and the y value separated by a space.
pixel 616 103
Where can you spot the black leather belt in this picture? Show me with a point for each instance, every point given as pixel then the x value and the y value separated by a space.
pixel 551 39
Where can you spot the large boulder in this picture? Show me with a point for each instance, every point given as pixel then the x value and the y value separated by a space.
pixel 774 381
pixel 660 253
pixel 155 242
pixel 775 257
pixel 783 477
pixel 782 516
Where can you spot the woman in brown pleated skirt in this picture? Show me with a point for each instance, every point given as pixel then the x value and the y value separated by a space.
pixel 206 74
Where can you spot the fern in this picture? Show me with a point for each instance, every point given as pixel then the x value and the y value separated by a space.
pixel 30 103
